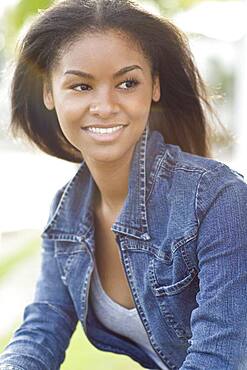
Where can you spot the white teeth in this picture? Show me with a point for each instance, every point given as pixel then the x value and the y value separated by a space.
pixel 98 130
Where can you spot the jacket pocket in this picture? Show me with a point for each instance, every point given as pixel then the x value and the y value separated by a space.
pixel 174 284
pixel 170 276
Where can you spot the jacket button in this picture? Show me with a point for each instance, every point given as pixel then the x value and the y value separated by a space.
pixel 145 236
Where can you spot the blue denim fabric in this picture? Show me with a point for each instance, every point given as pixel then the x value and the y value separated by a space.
pixel 182 236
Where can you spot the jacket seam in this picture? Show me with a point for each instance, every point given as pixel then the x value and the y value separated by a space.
pixel 155 175
pixel 208 172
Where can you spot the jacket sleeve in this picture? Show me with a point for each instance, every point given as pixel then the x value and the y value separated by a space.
pixel 41 341
pixel 219 323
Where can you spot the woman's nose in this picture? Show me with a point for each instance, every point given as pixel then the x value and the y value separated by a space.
pixel 104 105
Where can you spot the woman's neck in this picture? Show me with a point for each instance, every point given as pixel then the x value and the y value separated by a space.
pixel 111 179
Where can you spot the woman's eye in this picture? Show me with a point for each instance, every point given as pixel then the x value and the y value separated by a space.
pixel 125 85
pixel 81 87
pixel 128 84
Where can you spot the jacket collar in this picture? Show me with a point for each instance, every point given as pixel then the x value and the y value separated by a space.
pixel 72 218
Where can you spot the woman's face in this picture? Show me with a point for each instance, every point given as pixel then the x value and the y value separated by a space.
pixel 102 89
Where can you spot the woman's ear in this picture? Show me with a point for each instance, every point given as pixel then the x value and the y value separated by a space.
pixel 47 95
pixel 156 89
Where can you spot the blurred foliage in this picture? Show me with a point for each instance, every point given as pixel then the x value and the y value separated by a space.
pixel 12 261
pixel 17 16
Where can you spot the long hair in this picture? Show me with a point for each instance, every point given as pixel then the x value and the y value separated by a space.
pixel 181 113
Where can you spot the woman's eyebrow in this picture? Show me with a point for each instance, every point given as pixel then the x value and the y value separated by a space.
pixel 91 77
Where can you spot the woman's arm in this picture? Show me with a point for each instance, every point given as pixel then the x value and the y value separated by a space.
pixel 219 323
pixel 41 341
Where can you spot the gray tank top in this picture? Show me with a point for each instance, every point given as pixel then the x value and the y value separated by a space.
pixel 120 319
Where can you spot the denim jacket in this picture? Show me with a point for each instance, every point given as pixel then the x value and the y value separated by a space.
pixel 182 237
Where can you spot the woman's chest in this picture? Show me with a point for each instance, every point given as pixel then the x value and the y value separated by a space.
pixel 109 265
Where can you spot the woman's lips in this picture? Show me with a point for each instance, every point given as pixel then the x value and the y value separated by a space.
pixel 104 130
pixel 104 134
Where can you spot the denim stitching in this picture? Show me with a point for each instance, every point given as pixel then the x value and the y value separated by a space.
pixel 173 324
pixel 184 240
pixel 130 244
pixel 142 178
pixel 154 175
pixel 169 317
pixel 187 260
pixel 84 301
pixel 172 289
pixel 212 172
pixel 141 313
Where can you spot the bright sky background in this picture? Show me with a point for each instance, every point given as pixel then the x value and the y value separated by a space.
pixel 7 3
pixel 222 20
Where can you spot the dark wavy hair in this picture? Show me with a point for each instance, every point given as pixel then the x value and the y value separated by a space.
pixel 181 113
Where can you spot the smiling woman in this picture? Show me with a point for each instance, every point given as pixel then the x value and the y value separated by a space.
pixel 146 245
pixel 102 90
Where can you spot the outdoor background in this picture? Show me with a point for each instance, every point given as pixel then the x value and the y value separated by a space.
pixel 28 179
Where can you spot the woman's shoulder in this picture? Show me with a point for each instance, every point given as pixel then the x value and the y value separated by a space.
pixel 177 160
pixel 193 162
pixel 204 166
pixel 203 180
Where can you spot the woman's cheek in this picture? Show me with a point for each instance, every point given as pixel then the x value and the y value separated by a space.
pixel 142 112
pixel 69 111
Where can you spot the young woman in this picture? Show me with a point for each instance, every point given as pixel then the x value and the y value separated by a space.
pixel 147 245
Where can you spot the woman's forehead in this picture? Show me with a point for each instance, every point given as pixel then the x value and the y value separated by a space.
pixel 95 49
